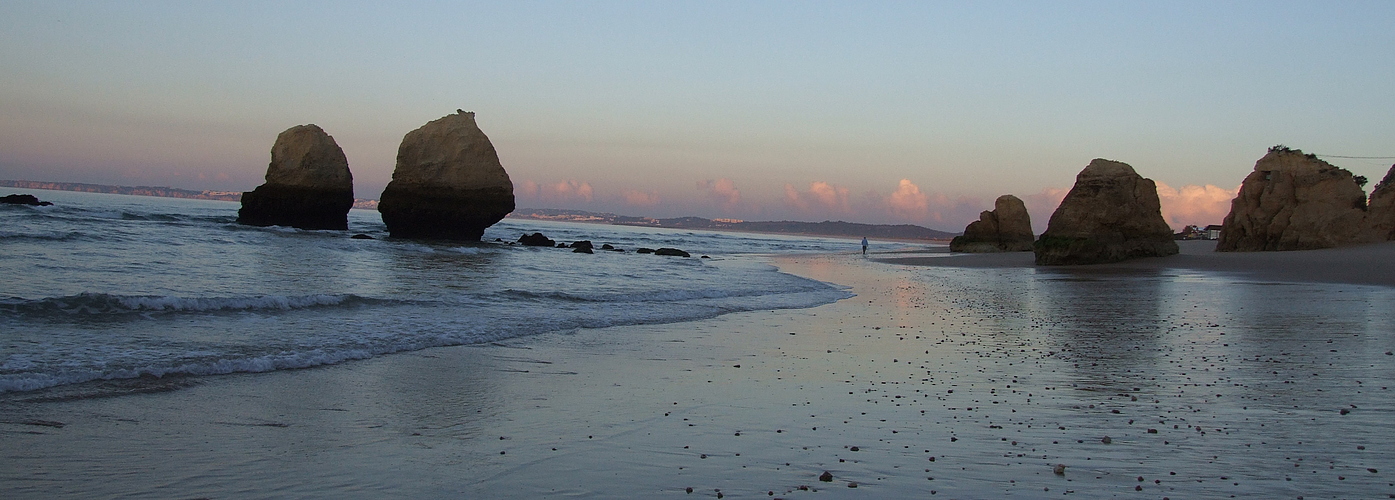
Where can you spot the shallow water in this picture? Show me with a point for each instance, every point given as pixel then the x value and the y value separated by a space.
pixel 117 287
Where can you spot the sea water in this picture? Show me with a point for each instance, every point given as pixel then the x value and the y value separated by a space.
pixel 102 286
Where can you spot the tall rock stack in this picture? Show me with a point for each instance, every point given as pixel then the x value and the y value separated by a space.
pixel 308 184
pixel 1111 214
pixel 448 183
pixel 1295 201
pixel 1007 228
pixel 1380 212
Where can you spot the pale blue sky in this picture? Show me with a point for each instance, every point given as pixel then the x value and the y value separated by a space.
pixel 810 110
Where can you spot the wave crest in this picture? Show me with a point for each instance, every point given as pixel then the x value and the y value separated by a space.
pixel 101 304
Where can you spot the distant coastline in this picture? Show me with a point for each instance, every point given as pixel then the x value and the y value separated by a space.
pixel 825 228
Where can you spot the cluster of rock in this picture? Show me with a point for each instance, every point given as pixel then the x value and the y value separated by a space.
pixel 24 199
pixel 1110 214
pixel 448 183
pixel 1291 201
pixel 308 184
pixel 1007 228
pixel 585 246
pixel 1295 201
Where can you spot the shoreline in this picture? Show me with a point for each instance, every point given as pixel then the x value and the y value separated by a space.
pixel 1371 264
pixel 932 380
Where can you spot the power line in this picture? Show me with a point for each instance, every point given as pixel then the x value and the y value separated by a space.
pixel 1358 157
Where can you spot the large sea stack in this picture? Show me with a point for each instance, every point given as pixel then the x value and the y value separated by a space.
pixel 1007 228
pixel 308 184
pixel 448 183
pixel 1111 214
pixel 1295 201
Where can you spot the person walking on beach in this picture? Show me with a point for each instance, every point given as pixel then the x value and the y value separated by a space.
pixel 864 246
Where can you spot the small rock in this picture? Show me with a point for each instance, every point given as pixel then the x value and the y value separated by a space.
pixel 644 250
pixel 536 240
pixel 672 252
pixel 826 477
pixel 361 236
pixel 1106 440
pixel 1059 469
pixel 583 250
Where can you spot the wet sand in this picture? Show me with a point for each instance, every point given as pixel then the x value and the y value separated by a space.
pixel 952 381
pixel 1364 264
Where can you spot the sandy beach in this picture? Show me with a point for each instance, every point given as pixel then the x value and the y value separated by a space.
pixel 1197 376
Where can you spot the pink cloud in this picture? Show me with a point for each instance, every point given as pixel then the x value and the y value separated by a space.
pixel 1042 204
pixel 641 199
pixel 908 201
pixel 525 187
pixel 1192 204
pixel 722 190
pixel 830 196
pixel 821 196
pixel 793 199
pixel 568 190
pixel 563 191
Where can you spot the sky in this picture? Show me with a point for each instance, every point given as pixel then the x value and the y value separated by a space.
pixel 880 112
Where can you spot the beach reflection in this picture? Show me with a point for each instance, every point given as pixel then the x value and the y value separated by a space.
pixel 1111 322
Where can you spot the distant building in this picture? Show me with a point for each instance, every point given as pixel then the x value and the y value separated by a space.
pixel 1211 232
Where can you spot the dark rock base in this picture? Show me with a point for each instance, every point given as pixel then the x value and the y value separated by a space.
pixel 446 214
pixel 1067 251
pixel 964 245
pixel 296 207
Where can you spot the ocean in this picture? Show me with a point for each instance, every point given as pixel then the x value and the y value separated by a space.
pixel 102 286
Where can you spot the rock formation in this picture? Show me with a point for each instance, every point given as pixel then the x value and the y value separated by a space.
pixel 672 252
pixel 1007 228
pixel 448 183
pixel 1295 201
pixel 24 199
pixel 536 240
pixel 1380 212
pixel 1111 214
pixel 308 184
